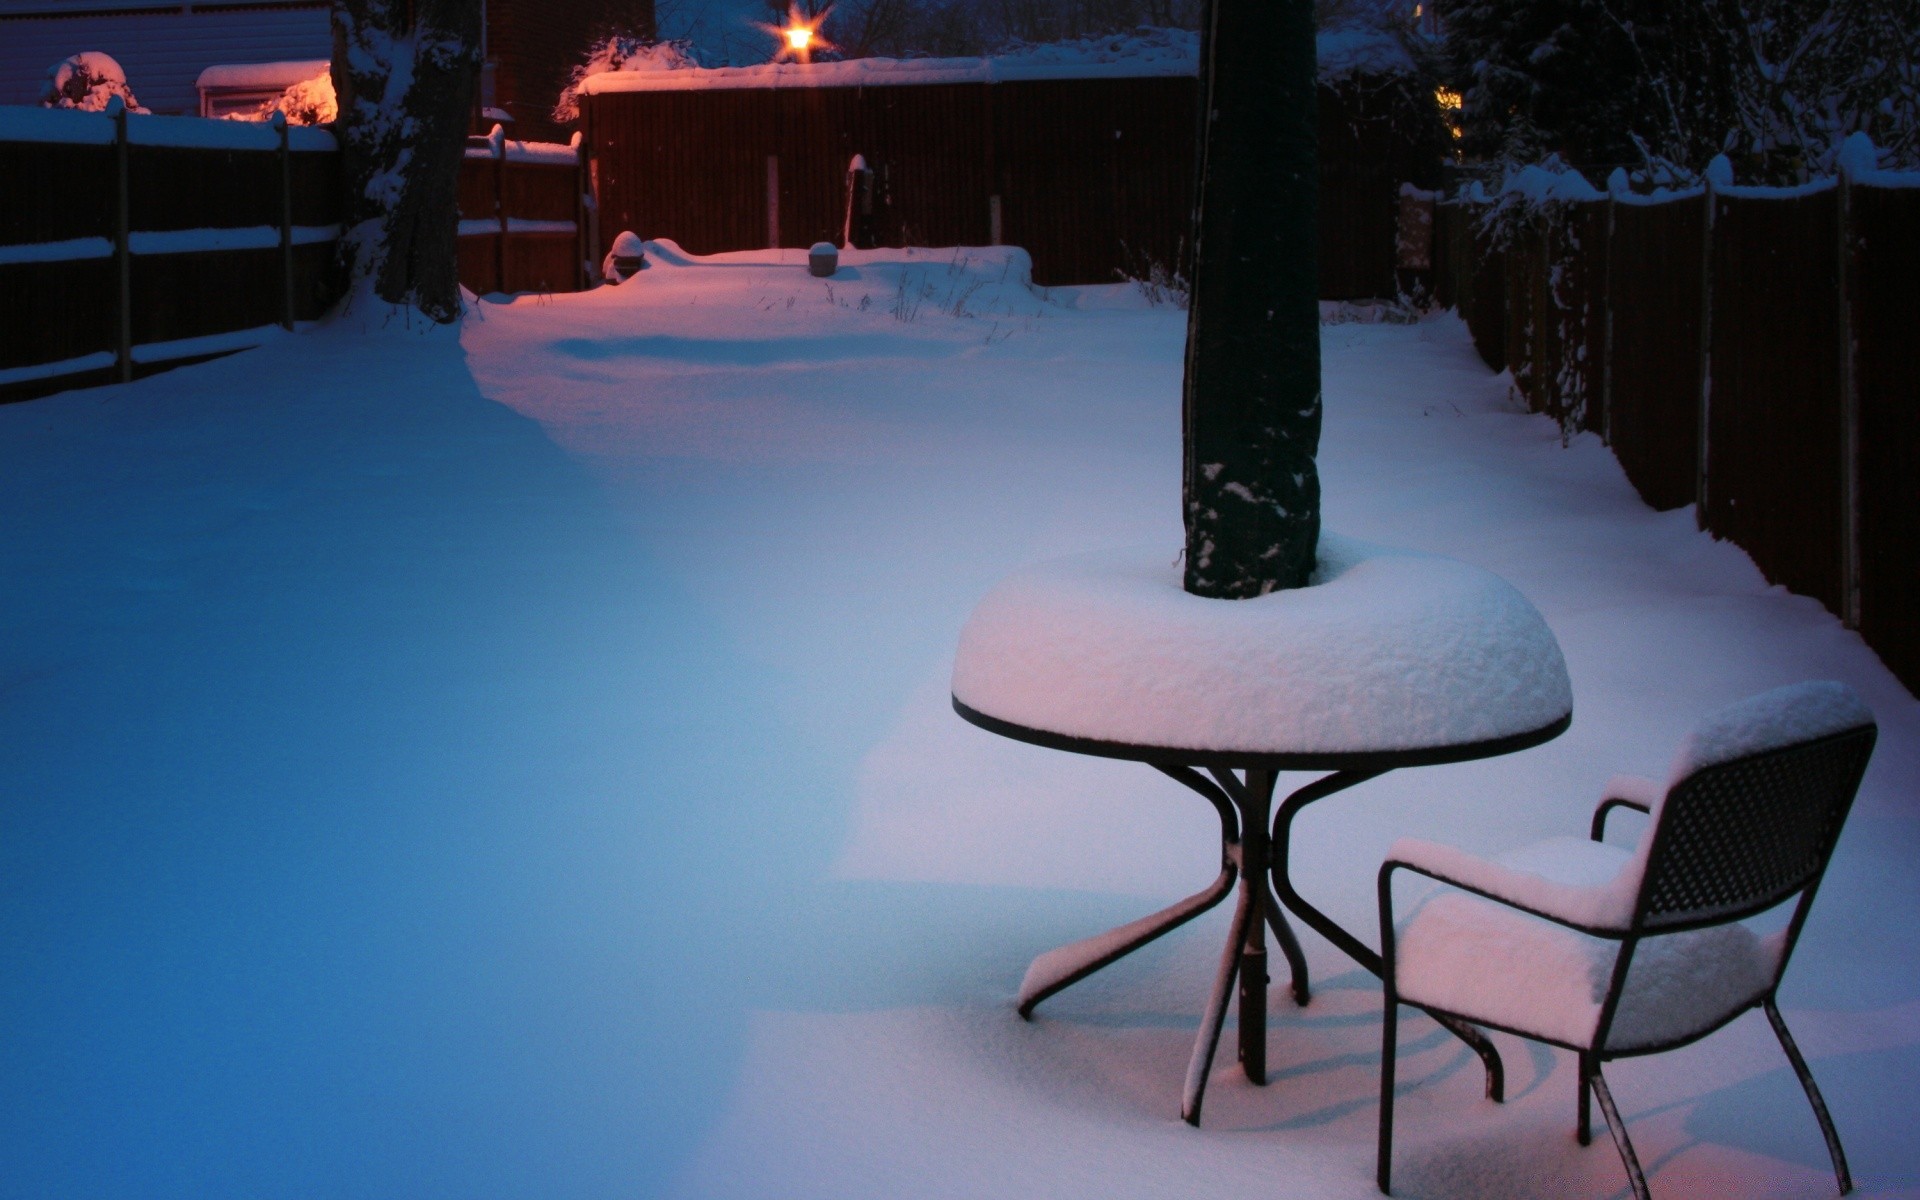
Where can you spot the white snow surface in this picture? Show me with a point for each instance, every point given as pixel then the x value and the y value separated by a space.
pixel 521 763
pixel 1386 650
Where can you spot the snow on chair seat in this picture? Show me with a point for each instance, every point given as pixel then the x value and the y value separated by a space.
pixel 1611 953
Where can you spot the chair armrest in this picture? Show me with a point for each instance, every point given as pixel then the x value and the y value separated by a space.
pixel 1625 791
pixel 1605 910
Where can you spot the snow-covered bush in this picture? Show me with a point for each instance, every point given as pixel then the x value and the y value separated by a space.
pixel 308 102
pixel 623 52
pixel 86 81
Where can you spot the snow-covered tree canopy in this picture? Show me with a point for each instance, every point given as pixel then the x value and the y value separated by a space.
pixel 1777 85
pixel 86 81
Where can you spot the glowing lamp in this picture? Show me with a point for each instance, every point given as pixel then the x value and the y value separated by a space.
pixel 799 37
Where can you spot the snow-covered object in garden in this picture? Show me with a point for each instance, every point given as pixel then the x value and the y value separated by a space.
pixel 311 101
pixel 1385 650
pixel 626 258
pixel 86 81
pixel 1553 979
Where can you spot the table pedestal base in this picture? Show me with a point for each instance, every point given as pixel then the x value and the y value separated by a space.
pixel 1251 856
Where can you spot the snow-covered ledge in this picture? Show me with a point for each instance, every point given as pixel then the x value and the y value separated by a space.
pixel 1386 650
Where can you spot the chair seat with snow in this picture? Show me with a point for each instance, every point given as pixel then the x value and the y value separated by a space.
pixel 1613 953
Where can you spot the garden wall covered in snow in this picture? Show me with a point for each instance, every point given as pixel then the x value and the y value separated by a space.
pixel 1088 166
pixel 1748 350
pixel 132 243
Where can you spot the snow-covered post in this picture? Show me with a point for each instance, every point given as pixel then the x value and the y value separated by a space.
pixel 404 72
pixel 122 250
pixel 1252 400
pixel 279 122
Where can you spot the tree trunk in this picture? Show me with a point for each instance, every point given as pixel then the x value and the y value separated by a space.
pixel 1252 402
pixel 404 71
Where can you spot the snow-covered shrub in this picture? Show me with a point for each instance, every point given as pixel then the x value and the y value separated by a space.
pixel 623 52
pixel 308 102
pixel 86 81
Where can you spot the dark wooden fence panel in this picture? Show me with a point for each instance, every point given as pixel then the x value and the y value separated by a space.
pixel 816 139
pixel 542 262
pixel 1656 282
pixel 930 163
pixel 179 296
pixel 1884 271
pixel 520 219
pixel 690 166
pixel 208 206
pixel 52 311
pixel 182 188
pixel 71 194
pixel 1094 177
pixel 1774 441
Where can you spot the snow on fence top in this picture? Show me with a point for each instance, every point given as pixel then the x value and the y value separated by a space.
pixel 22 123
pixel 1143 53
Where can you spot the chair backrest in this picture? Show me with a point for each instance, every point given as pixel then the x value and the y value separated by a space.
pixel 1737 835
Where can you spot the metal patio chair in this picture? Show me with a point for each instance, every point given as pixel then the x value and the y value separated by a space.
pixel 1614 953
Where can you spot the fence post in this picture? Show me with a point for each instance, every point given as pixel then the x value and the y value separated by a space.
pixel 122 254
pixel 1849 409
pixel 1705 389
pixel 279 121
pixel 773 202
pixel 497 142
pixel 581 277
pixel 1614 182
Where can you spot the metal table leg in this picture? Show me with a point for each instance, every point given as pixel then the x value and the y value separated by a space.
pixel 1355 949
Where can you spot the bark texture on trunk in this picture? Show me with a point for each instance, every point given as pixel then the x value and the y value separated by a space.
pixel 1252 397
pixel 404 71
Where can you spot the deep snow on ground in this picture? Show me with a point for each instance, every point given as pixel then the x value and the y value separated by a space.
pixel 521 765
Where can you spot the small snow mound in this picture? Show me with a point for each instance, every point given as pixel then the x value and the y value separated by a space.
pixel 87 81
pixel 1795 713
pixel 1385 650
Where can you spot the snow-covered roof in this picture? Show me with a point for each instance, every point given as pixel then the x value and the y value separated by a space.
pixel 1143 53
pixel 256 76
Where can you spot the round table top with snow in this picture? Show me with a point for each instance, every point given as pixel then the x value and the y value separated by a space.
pixel 1388 658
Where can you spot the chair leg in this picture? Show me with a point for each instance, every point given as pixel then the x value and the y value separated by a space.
pixel 1834 1151
pixel 1635 1176
pixel 1389 1047
pixel 1583 1130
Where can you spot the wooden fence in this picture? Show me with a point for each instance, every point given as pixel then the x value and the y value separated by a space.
pixel 131 244
pixel 523 217
pixel 1750 351
pixel 1093 177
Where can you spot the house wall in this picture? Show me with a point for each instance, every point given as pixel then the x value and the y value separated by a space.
pixel 163 53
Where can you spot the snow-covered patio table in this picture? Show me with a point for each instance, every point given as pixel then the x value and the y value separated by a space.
pixel 1389 659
